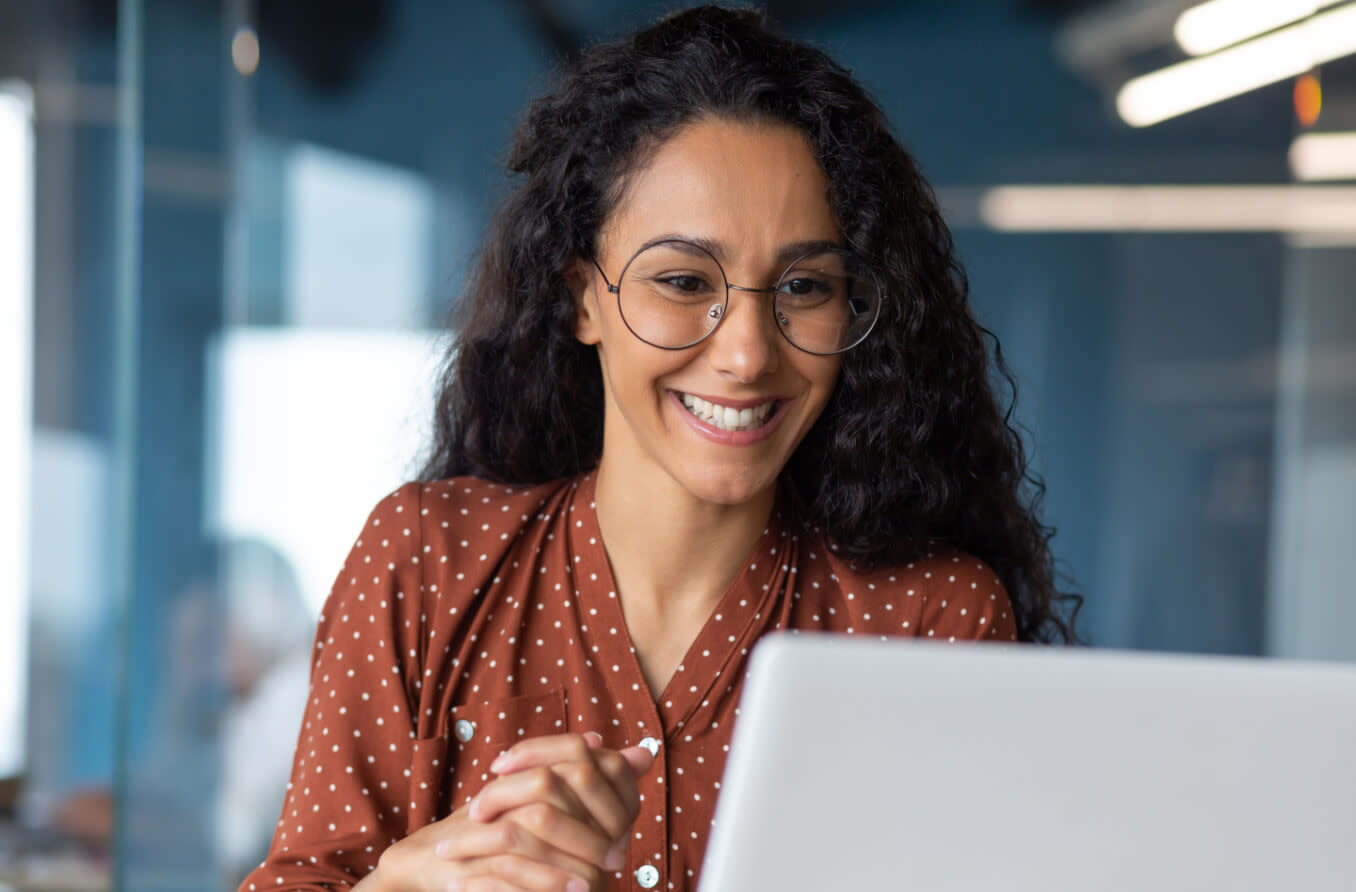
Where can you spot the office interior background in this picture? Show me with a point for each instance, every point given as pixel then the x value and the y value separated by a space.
pixel 231 233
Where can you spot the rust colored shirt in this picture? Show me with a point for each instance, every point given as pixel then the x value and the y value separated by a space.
pixel 471 615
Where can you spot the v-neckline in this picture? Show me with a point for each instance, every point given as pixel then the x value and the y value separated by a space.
pixel 739 618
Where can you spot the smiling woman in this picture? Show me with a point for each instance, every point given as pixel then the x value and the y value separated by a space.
pixel 715 375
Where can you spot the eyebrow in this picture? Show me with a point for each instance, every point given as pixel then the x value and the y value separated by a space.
pixel 716 248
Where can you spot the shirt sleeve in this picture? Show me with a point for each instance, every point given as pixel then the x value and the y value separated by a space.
pixel 344 801
pixel 965 601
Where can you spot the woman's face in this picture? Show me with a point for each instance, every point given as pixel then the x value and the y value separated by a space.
pixel 755 195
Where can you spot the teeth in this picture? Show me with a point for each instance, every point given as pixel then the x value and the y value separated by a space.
pixel 727 418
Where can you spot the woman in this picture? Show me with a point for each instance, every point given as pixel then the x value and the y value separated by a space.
pixel 715 376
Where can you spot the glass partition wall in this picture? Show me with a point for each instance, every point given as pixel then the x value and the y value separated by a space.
pixel 69 218
pixel 307 207
pixel 249 229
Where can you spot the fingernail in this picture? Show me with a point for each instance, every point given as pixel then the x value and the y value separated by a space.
pixel 499 761
pixel 454 886
pixel 576 885
pixel 594 738
pixel 442 848
pixel 474 810
pixel 616 856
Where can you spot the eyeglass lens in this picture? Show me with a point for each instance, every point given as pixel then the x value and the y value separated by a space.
pixel 673 294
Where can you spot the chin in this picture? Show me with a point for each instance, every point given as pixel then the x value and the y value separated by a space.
pixel 728 486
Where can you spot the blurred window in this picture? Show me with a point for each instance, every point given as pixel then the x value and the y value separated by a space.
pixel 310 429
pixel 358 238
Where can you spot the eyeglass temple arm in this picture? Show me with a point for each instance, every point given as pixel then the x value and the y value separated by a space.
pixel 612 289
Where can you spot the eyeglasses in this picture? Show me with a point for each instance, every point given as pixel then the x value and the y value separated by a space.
pixel 674 294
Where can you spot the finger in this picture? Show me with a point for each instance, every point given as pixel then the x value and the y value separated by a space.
pixel 510 791
pixel 639 758
pixel 603 780
pixel 620 773
pixel 606 788
pixel 520 874
pixel 542 751
pixel 508 837
pixel 599 778
pixel 568 834
pixel 548 750
pixel 482 883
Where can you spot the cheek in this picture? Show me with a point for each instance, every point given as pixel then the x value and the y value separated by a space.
pixel 822 372
pixel 823 383
pixel 631 366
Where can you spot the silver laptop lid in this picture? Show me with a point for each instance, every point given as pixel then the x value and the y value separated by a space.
pixel 936 767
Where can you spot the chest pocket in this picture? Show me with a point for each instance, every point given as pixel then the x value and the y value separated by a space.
pixel 478 732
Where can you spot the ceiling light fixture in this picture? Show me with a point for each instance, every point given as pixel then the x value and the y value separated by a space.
pixel 1196 83
pixel 1324 156
pixel 16 411
pixel 1216 24
pixel 1300 210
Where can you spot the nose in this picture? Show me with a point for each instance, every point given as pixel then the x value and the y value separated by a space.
pixel 746 345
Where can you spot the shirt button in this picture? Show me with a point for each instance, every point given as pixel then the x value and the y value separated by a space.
pixel 653 746
pixel 464 730
pixel 647 876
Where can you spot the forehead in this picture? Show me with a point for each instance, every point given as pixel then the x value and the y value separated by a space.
pixel 749 187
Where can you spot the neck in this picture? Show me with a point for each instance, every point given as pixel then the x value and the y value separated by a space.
pixel 673 554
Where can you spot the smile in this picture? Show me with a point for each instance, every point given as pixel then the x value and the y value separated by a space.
pixel 728 418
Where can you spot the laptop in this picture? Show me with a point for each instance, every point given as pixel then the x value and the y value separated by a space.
pixel 978 768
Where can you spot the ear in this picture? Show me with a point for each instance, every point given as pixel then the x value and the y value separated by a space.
pixel 582 280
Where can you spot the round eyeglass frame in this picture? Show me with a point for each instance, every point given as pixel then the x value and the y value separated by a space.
pixel 772 305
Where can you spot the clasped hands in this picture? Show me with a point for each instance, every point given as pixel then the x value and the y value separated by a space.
pixel 557 818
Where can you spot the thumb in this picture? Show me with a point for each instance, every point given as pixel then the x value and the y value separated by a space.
pixel 639 758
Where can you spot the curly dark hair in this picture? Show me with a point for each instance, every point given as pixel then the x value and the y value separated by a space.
pixel 912 446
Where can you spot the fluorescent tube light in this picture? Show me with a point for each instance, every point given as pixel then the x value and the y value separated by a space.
pixel 16 416
pixel 1324 156
pixel 1309 210
pixel 1196 83
pixel 1216 24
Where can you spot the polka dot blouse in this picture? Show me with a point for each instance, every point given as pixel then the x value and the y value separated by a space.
pixel 471 615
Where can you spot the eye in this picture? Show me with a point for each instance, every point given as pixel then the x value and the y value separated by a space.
pixel 804 285
pixel 686 284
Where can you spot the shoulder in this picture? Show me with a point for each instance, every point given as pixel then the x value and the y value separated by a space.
pixel 443 518
pixel 949 574
pixel 460 503
pixel 418 529
pixel 948 593
pixel 470 502
pixel 428 545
